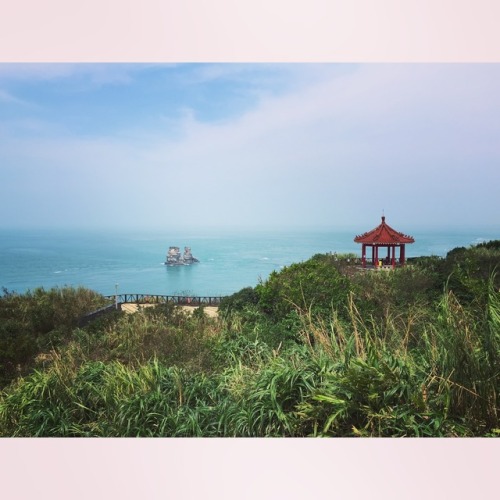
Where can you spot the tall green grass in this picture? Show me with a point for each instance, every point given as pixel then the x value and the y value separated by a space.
pixel 389 383
pixel 421 370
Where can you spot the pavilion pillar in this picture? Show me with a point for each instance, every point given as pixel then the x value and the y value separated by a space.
pixel 363 255
pixel 402 255
pixel 393 260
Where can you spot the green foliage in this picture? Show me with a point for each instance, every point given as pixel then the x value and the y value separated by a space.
pixel 315 285
pixel 35 321
pixel 165 332
pixel 111 399
pixel 383 293
pixel 239 301
pixel 319 349
pixel 466 271
pixel 466 358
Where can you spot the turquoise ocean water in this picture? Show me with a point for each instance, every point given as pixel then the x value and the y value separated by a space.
pixel 134 260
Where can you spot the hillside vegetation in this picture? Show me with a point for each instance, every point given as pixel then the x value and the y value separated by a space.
pixel 318 349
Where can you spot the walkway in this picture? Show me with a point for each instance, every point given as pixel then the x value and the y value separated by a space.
pixel 210 311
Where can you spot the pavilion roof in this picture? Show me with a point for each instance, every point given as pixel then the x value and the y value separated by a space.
pixel 383 234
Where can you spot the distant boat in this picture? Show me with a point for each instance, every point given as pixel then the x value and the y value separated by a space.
pixel 174 257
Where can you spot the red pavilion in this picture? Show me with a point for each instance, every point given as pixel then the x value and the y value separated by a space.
pixel 383 236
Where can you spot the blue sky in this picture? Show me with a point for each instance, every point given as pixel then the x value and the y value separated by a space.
pixel 249 145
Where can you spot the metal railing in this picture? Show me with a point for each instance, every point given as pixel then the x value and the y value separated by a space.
pixel 87 318
pixel 143 298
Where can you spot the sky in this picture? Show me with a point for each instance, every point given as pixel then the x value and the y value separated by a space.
pixel 258 146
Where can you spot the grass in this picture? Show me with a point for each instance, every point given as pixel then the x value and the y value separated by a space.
pixel 413 368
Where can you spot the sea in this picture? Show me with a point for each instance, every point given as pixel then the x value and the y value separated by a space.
pixel 133 261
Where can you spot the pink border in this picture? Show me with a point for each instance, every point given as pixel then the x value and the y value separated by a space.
pixel 263 31
pixel 243 30
pixel 249 468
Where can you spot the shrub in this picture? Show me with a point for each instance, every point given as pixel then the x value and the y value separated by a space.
pixel 36 321
pixel 315 284
pixel 239 301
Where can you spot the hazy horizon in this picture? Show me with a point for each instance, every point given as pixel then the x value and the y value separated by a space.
pixel 257 146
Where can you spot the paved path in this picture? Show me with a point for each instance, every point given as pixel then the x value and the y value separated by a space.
pixel 210 311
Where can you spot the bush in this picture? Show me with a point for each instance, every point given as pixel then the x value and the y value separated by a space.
pixel 468 271
pixel 36 321
pixel 246 297
pixel 314 285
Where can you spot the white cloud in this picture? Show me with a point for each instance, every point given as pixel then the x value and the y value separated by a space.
pixel 419 141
